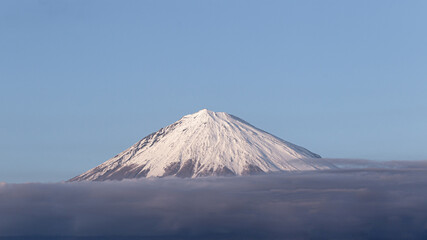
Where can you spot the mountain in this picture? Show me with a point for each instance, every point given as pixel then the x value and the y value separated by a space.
pixel 206 143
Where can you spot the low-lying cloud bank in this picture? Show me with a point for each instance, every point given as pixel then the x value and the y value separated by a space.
pixel 370 164
pixel 373 203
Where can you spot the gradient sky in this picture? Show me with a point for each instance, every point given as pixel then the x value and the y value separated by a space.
pixel 83 80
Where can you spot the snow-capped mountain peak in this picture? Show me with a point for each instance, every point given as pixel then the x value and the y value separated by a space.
pixel 203 144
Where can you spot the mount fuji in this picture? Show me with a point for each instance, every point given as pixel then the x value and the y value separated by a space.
pixel 206 143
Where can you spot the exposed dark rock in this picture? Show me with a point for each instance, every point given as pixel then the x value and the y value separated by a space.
pixel 172 169
pixel 251 169
pixel 131 171
pixel 187 169
pixel 224 171
pixel 143 173
pixel 205 172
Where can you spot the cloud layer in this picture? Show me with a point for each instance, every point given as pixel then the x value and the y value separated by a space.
pixel 374 203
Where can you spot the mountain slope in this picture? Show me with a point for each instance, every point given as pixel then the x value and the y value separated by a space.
pixel 203 144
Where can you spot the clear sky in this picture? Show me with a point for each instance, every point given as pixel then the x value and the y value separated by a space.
pixel 80 81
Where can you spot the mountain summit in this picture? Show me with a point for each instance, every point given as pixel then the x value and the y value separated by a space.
pixel 206 143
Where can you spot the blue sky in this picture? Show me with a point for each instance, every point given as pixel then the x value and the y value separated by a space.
pixel 83 80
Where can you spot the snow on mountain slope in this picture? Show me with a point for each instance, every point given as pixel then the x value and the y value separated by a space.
pixel 206 143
